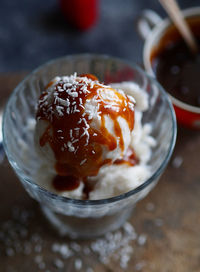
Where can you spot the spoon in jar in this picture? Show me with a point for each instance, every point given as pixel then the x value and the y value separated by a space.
pixel 176 15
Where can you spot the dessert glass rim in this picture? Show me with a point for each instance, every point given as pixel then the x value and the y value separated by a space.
pixel 103 201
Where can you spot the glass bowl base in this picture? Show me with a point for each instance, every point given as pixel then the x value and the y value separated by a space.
pixel 86 228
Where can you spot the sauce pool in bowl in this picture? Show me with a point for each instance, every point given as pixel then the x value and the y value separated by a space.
pixel 176 68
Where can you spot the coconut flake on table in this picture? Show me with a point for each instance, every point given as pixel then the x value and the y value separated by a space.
pixel 117 246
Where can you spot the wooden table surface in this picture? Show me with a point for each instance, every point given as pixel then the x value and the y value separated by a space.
pixel 167 221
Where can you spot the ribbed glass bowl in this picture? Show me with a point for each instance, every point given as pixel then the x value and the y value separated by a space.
pixel 85 218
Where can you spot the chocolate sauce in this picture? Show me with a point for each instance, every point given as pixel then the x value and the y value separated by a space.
pixel 176 68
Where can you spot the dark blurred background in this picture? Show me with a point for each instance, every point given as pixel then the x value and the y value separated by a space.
pixel 34 31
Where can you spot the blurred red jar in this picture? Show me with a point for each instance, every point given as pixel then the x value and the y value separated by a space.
pixel 80 13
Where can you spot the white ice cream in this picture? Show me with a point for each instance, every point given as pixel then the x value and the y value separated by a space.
pixel 111 180
pixel 97 111
pixel 117 179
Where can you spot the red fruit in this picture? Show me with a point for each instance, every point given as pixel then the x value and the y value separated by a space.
pixel 80 13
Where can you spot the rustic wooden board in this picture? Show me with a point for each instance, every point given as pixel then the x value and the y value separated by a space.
pixel 167 222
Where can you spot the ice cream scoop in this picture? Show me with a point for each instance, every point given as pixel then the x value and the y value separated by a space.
pixel 82 125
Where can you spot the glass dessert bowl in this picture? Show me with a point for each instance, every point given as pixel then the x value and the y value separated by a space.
pixel 77 217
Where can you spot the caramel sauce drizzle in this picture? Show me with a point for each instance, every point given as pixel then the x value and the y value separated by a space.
pixel 77 146
pixel 65 183
pixel 129 158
